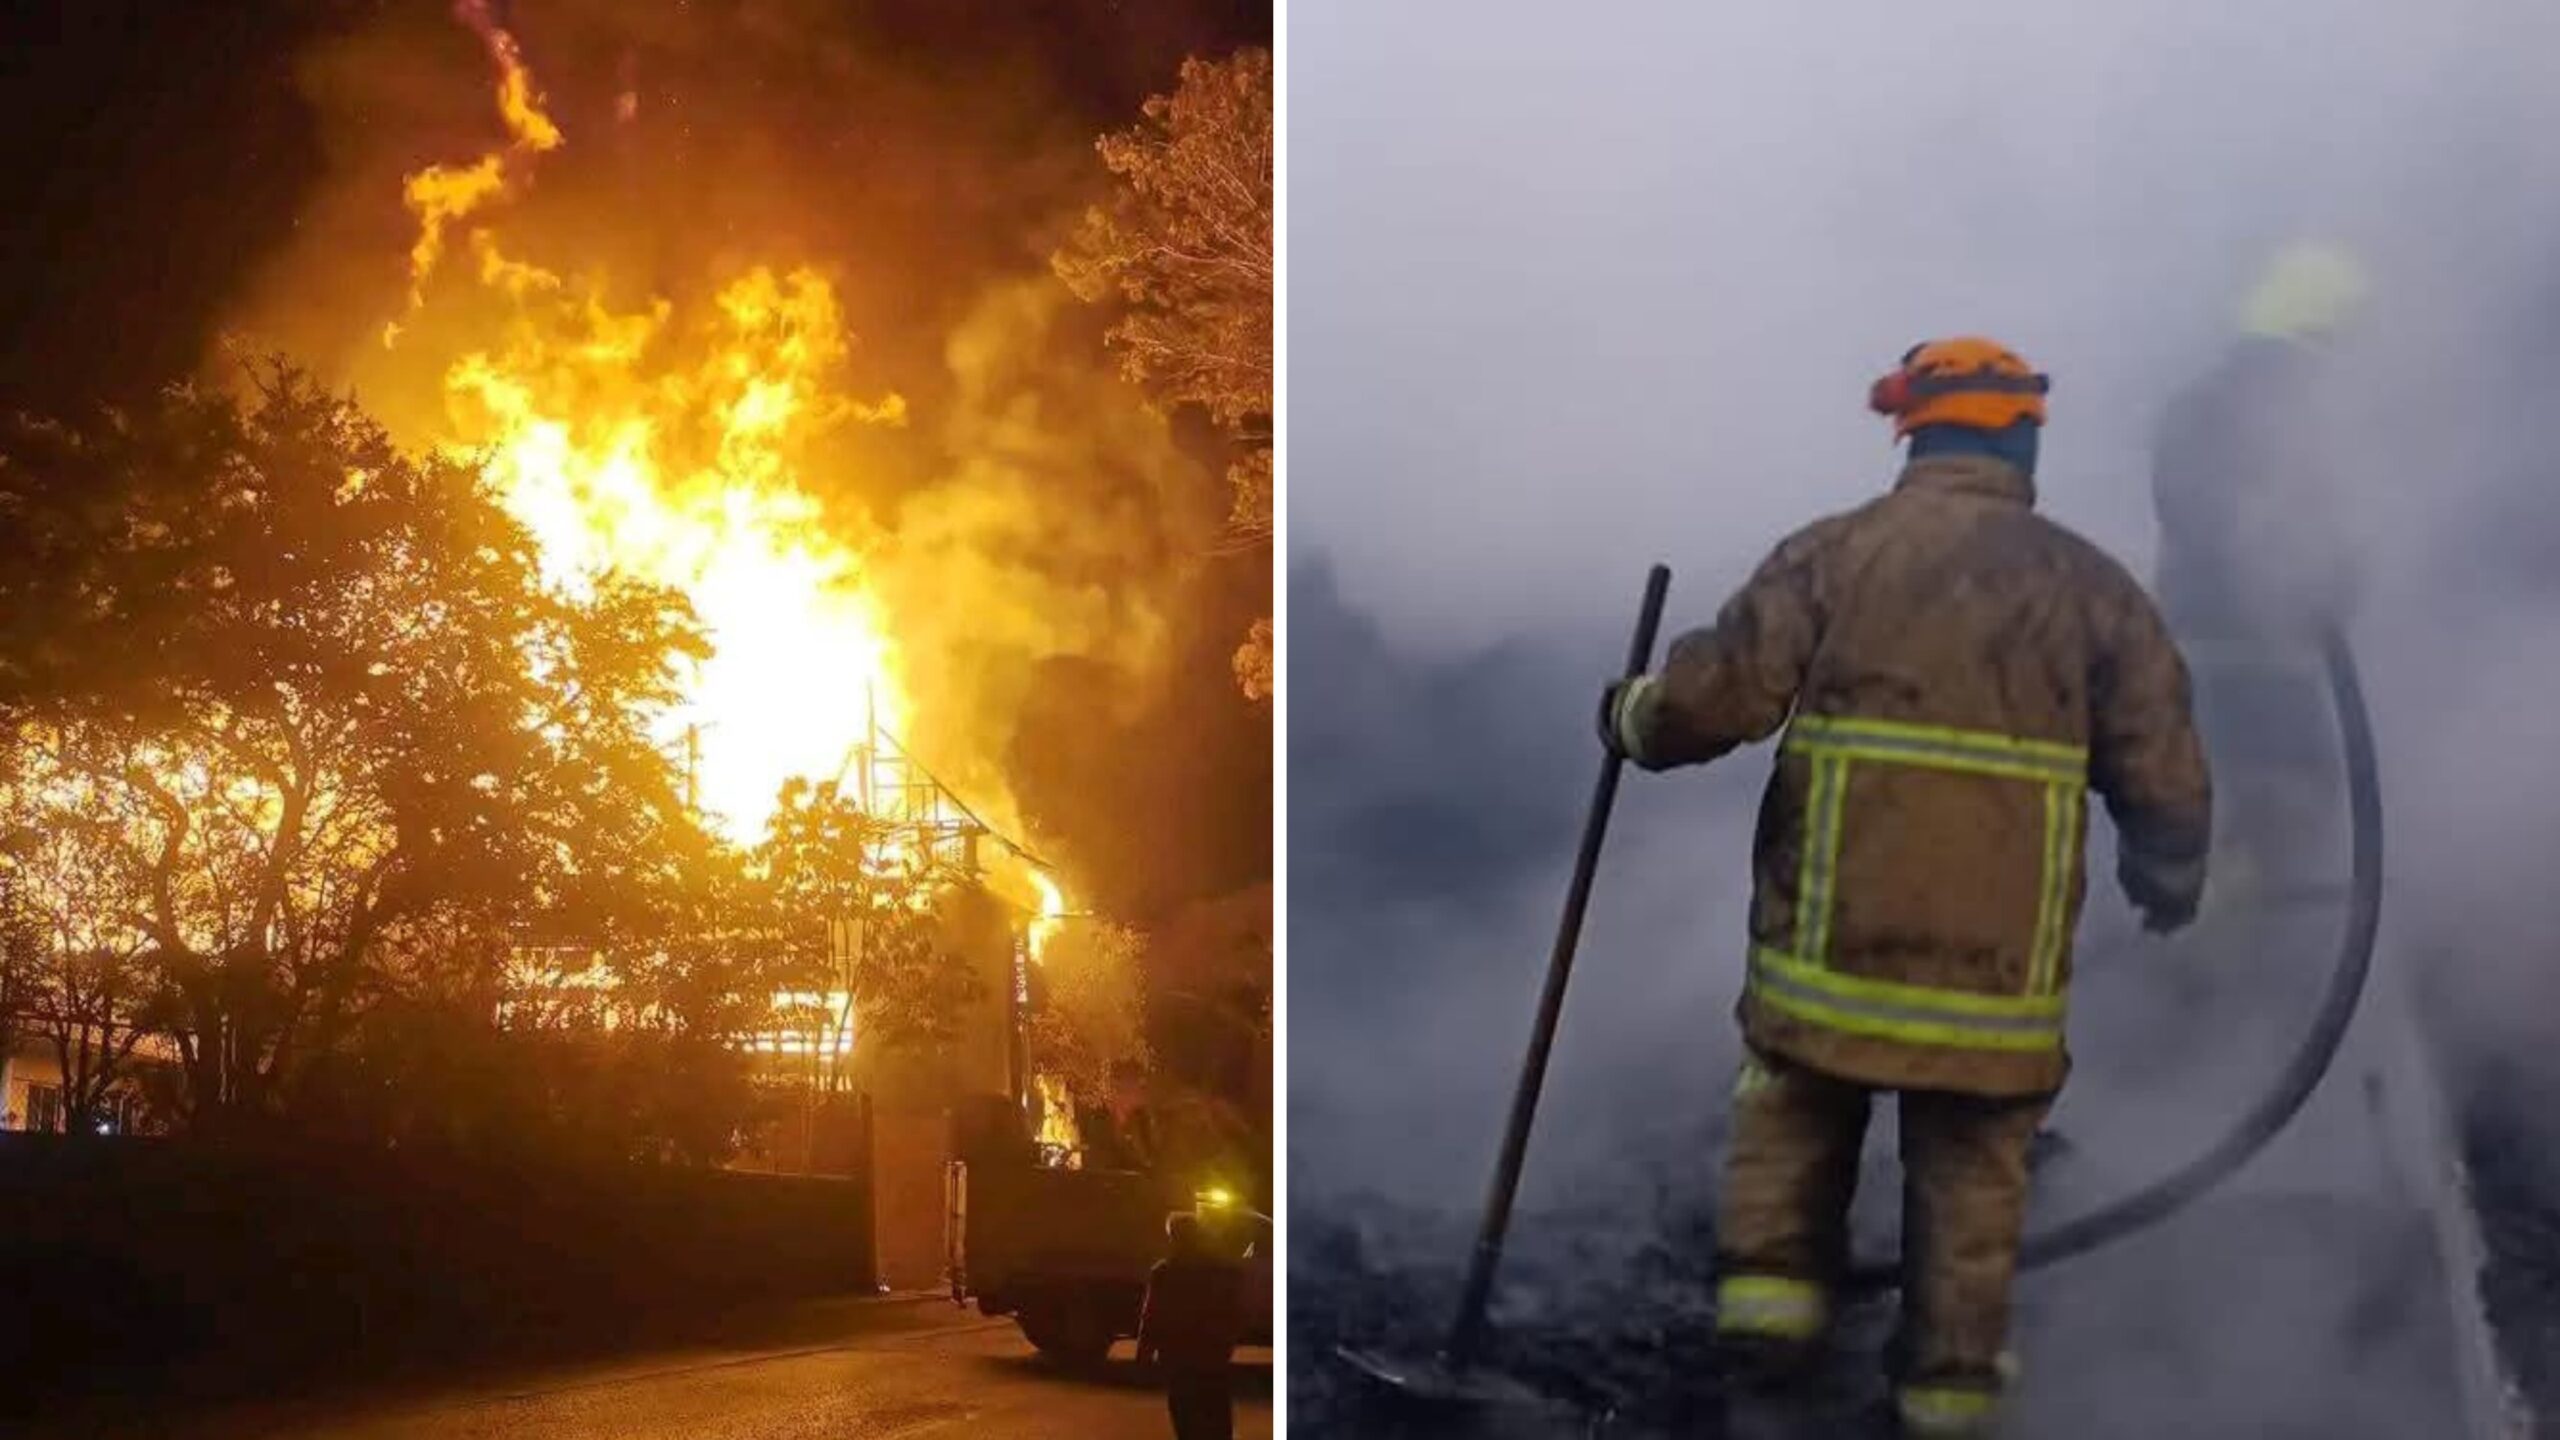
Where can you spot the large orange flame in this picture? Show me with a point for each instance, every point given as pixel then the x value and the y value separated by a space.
pixel 671 447
pixel 620 456
pixel 629 443
pixel 1053 908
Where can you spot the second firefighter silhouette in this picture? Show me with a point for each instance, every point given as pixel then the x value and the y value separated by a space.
pixel 1193 1314
pixel 1954 674
pixel 2254 565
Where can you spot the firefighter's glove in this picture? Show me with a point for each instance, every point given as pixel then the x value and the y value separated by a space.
pixel 1621 733
pixel 2166 892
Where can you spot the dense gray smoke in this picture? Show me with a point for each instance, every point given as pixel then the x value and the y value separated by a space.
pixel 1569 300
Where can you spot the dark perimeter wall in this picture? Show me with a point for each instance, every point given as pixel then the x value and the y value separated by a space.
pixel 137 1261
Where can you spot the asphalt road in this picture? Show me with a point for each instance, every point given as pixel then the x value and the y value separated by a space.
pixel 872 1370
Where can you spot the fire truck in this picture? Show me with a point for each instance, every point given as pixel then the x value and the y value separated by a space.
pixel 1065 1251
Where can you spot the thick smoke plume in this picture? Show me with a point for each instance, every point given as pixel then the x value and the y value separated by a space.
pixel 1621 305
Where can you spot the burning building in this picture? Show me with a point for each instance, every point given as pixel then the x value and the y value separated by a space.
pixel 691 429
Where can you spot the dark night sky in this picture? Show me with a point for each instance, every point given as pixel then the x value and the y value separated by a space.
pixel 153 152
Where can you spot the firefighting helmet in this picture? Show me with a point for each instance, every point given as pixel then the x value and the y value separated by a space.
pixel 1967 381
pixel 2307 294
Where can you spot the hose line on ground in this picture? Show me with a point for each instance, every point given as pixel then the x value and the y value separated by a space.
pixel 2302 1074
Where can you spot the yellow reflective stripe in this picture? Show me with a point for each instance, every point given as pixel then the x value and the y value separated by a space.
pixel 1916 1014
pixel 2053 902
pixel 1938 746
pixel 1832 744
pixel 1819 869
pixel 1855 727
pixel 1895 992
pixel 1770 1305
pixel 1945 1410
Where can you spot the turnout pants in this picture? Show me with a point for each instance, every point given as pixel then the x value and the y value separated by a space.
pixel 1782 1231
pixel 2271 734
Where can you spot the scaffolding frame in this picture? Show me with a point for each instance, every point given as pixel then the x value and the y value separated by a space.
pixel 924 834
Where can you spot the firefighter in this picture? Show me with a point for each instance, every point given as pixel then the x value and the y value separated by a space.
pixel 1193 1316
pixel 1953 674
pixel 2251 569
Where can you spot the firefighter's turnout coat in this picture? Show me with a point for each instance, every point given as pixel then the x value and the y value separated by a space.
pixel 1953 674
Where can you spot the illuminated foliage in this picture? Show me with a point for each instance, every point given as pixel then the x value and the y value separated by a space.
pixel 356 724
pixel 1185 246
pixel 822 869
pixel 1088 1024
pixel 77 973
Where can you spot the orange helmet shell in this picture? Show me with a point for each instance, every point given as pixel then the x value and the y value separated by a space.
pixel 1966 381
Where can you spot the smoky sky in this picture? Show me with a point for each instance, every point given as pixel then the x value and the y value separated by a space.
pixel 1571 296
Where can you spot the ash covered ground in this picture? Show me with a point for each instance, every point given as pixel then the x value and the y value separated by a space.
pixel 1610 1326
pixel 2306 1297
pixel 2264 1314
pixel 2511 1148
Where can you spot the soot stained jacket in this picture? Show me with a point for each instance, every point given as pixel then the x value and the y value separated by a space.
pixel 1954 674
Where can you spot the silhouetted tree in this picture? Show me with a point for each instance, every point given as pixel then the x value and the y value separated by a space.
pixel 351 717
pixel 372 822
pixel 82 980
pixel 1185 244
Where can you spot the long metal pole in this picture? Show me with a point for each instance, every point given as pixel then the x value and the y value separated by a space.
pixel 1467 1329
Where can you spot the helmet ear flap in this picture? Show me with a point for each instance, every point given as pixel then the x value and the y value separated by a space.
pixel 1890 395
